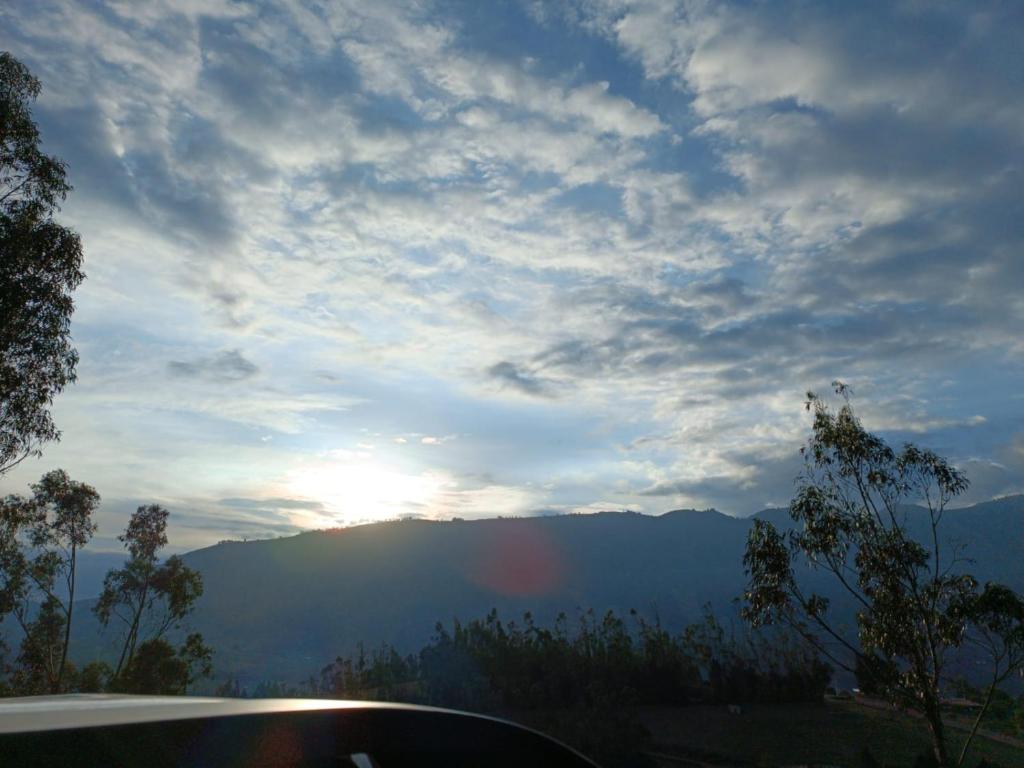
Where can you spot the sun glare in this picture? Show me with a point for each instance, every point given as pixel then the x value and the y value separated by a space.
pixel 362 490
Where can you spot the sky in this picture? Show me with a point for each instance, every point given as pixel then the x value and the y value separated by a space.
pixel 351 261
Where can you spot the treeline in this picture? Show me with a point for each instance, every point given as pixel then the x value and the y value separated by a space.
pixel 579 679
pixel 489 665
pixel 142 604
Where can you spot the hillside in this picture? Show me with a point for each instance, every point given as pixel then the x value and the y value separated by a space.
pixel 280 609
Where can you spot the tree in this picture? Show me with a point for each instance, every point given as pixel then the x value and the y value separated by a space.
pixel 39 542
pixel 915 608
pixel 148 597
pixel 996 630
pixel 40 265
pixel 157 668
pixel 94 677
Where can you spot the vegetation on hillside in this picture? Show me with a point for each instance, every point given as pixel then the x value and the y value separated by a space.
pixel 621 689
pixel 586 678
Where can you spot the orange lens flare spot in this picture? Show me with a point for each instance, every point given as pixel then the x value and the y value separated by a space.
pixel 519 559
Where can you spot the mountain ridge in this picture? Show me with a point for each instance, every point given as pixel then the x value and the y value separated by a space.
pixel 282 608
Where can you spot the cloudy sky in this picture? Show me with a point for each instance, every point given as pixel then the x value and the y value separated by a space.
pixel 354 260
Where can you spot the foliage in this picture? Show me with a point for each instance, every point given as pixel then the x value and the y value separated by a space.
pixel 147 597
pixel 915 607
pixel 764 667
pixel 40 265
pixel 158 668
pixel 40 537
pixel 488 665
pixel 39 541
pixel 580 681
pixel 95 677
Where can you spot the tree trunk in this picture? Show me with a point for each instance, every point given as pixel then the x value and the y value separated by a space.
pixel 938 732
pixel 977 722
pixel 67 625
pixel 133 633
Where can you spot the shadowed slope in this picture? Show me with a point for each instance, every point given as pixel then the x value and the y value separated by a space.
pixel 280 609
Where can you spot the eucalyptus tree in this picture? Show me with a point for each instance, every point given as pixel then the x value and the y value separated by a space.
pixel 40 538
pixel 40 266
pixel 857 500
pixel 147 597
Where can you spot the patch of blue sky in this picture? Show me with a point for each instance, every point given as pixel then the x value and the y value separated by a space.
pixel 605 199
pixel 506 29
pixel 330 75
pixel 380 113
pixel 533 181
pixel 695 156
pixel 956 395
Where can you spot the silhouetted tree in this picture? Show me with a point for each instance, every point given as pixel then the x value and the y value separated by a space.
pixel 39 541
pixel 40 265
pixel 995 628
pixel 231 689
pixel 146 596
pixel 914 607
pixel 95 677
pixel 767 668
pixel 158 668
pixel 586 678
pixel 487 664
pixel 871 672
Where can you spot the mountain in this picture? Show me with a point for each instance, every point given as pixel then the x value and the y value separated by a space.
pixel 91 569
pixel 282 608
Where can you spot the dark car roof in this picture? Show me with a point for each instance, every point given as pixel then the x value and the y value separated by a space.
pixel 176 731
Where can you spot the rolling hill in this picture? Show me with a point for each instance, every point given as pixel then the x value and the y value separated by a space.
pixel 281 609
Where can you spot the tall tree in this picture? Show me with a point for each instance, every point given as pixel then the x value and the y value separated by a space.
pixel 39 542
pixel 146 596
pixel 915 606
pixel 40 265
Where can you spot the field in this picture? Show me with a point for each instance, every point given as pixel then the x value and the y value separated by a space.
pixel 832 734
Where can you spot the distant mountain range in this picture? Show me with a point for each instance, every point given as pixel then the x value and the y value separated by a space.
pixel 280 609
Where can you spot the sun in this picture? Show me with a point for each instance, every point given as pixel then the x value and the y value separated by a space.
pixel 361 490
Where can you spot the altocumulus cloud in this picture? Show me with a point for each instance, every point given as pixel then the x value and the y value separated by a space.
pixel 229 365
pixel 509 375
pixel 607 243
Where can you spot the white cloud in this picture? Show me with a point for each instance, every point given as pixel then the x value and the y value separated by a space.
pixel 787 197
